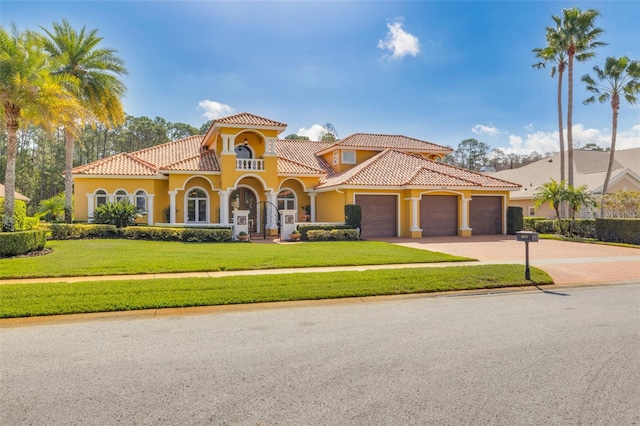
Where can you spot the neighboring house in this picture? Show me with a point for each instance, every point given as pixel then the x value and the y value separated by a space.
pixel 403 188
pixel 17 195
pixel 590 169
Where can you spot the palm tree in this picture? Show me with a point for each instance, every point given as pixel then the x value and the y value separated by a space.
pixel 554 54
pixel 553 192
pixel 28 92
pixel 577 36
pixel 619 77
pixel 100 89
pixel 578 197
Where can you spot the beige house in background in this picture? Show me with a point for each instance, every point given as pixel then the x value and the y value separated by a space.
pixel 590 168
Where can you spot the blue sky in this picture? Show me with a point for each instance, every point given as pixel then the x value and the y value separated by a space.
pixel 441 71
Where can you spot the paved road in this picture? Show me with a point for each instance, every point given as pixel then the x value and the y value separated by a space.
pixel 560 357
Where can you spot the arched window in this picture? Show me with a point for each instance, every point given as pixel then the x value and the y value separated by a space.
pixel 286 200
pixel 141 201
pixel 243 151
pixel 197 205
pixel 121 196
pixel 101 197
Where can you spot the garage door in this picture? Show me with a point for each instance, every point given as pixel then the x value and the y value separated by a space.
pixel 378 215
pixel 439 215
pixel 485 215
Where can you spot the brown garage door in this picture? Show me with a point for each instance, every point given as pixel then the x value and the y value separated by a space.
pixel 439 215
pixel 485 215
pixel 378 215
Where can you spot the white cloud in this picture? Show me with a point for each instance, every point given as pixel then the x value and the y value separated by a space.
pixel 213 109
pixel 481 129
pixel 399 43
pixel 315 132
pixel 543 142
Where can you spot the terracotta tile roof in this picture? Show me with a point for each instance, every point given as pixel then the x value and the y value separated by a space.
pixel 368 140
pixel 395 168
pixel 205 161
pixel 244 118
pixel 172 152
pixel 119 164
pixel 286 166
pixel 303 153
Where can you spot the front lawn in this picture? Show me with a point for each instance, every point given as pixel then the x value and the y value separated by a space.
pixel 23 300
pixel 122 257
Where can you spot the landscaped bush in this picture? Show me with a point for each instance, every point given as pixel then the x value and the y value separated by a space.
pixel 19 214
pixel 120 214
pixel 304 229
pixel 582 228
pixel 353 215
pixel 529 222
pixel 21 242
pixel 77 231
pixel 545 226
pixel 176 234
pixel 514 220
pixel 618 230
pixel 333 235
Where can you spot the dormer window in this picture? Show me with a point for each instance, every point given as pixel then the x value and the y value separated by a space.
pixel 348 157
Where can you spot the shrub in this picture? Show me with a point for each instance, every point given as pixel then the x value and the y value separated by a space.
pixel 304 229
pixel 583 228
pixel 121 214
pixel 529 222
pixel 333 235
pixel 618 230
pixel 353 215
pixel 19 214
pixel 21 242
pixel 176 234
pixel 75 231
pixel 52 208
pixel 515 220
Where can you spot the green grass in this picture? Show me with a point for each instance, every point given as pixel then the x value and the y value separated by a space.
pixel 23 300
pixel 122 257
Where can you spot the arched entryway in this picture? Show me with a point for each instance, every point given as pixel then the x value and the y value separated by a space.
pixel 244 198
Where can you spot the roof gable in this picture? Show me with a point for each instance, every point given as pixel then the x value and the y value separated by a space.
pixel 119 164
pixel 382 142
pixel 246 119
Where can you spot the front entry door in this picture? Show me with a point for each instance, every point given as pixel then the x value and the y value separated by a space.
pixel 244 199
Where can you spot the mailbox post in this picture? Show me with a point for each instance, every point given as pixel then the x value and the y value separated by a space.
pixel 527 237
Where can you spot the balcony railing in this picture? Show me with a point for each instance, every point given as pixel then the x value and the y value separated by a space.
pixel 249 164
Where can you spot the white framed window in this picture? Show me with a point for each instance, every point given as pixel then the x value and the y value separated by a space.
pixel 531 211
pixel 348 157
pixel 197 208
pixel 101 197
pixel 141 200
pixel 286 199
pixel 336 158
pixel 121 196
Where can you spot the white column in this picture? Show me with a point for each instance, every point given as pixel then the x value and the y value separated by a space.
pixel 150 209
pixel 312 206
pixel 465 214
pixel 172 206
pixel 131 200
pixel 414 215
pixel 226 144
pixel 111 197
pixel 224 206
pixel 91 202
pixel 271 146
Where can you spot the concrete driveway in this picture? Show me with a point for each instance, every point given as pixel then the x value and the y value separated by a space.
pixel 566 262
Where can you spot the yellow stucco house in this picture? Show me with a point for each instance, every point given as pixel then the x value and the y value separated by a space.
pixel 241 164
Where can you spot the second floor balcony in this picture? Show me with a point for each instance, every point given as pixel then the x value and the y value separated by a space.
pixel 249 164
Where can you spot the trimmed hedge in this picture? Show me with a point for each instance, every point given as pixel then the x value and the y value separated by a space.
pixel 304 229
pixel 515 220
pixel 333 235
pixel 77 231
pixel 583 228
pixel 618 230
pixel 19 214
pixel 353 215
pixel 177 234
pixel 21 242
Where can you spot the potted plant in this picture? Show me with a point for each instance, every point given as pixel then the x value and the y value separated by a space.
pixel 295 235
pixel 243 236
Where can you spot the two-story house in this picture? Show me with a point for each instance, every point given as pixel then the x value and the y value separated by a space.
pixel 240 163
